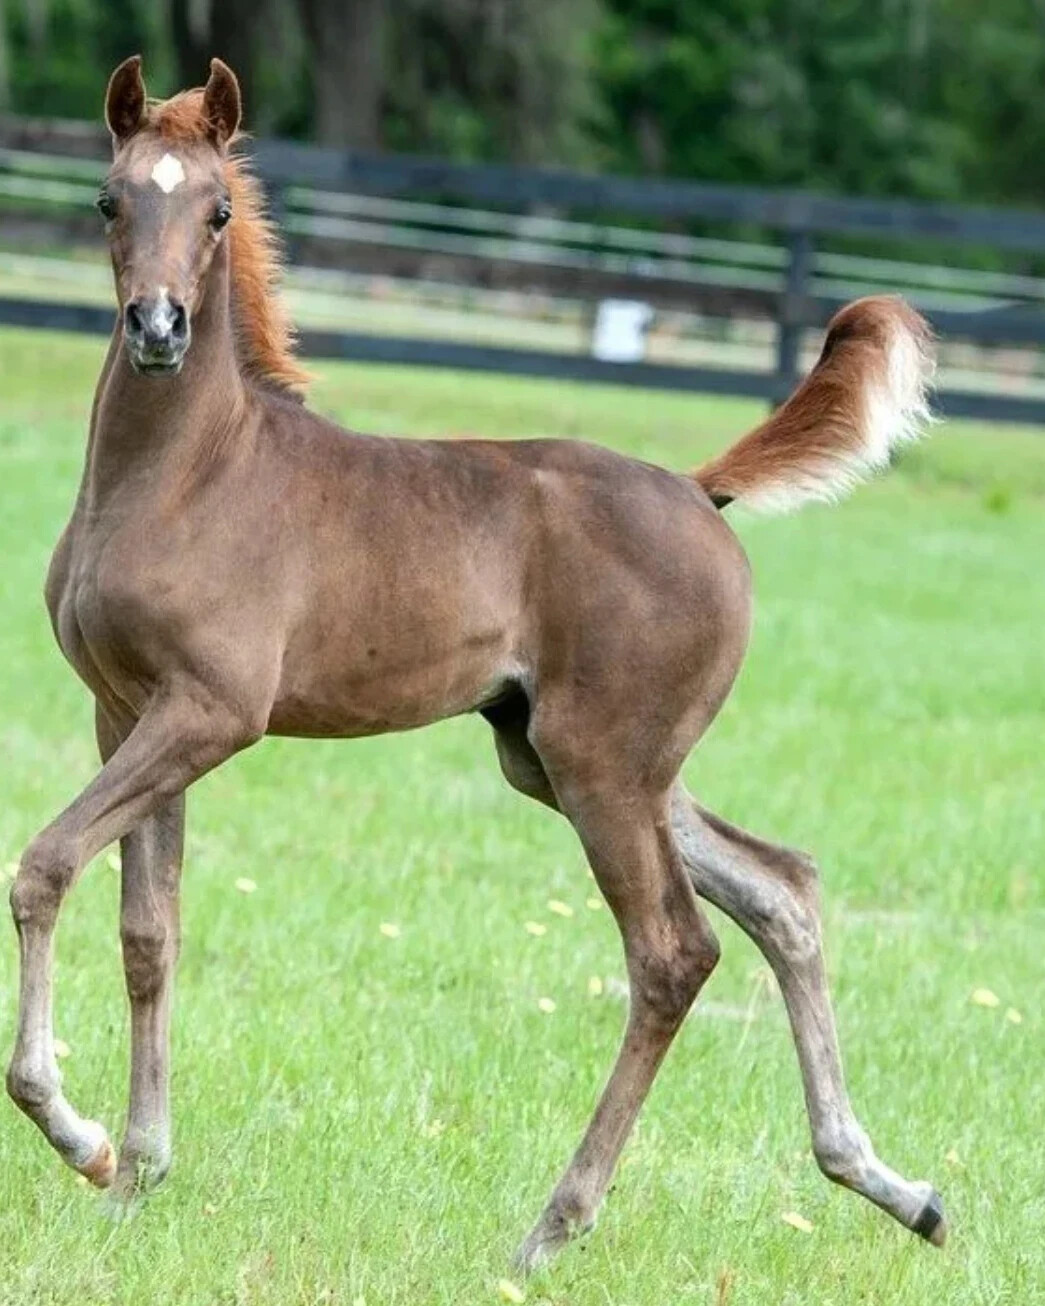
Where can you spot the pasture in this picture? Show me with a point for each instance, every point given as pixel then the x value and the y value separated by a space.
pixel 371 1098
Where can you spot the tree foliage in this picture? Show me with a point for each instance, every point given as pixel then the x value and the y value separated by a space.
pixel 930 98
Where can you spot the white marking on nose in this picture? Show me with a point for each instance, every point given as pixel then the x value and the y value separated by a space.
pixel 161 319
pixel 168 173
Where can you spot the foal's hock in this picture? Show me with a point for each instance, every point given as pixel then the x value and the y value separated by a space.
pixel 235 566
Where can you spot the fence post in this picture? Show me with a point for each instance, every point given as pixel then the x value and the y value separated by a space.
pixel 790 320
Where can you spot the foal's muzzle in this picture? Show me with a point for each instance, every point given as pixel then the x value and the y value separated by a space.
pixel 156 329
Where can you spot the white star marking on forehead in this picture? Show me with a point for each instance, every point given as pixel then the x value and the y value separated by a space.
pixel 168 173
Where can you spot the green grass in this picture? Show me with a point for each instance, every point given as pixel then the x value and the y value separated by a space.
pixel 359 1117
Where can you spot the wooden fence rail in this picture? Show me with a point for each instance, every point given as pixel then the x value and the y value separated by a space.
pixel 795 219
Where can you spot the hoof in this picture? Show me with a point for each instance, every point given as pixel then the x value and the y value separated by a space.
pixel 118 1205
pixel 100 1170
pixel 137 1176
pixel 548 1237
pixel 537 1251
pixel 932 1223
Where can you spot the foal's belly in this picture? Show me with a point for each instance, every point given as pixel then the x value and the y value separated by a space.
pixel 374 703
pixel 368 672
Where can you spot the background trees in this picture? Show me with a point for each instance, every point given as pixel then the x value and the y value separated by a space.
pixel 933 98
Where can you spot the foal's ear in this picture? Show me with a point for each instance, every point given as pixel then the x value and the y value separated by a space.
pixel 125 100
pixel 222 105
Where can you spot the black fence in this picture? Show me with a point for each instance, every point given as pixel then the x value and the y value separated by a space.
pixel 796 220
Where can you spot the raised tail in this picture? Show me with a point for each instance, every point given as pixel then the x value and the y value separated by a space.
pixel 866 395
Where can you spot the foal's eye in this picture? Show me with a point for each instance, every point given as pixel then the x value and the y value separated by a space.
pixel 221 215
pixel 106 206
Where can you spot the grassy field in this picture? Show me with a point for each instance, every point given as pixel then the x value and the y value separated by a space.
pixel 364 1118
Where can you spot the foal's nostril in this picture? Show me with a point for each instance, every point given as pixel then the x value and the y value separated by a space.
pixel 156 328
pixel 180 321
pixel 133 319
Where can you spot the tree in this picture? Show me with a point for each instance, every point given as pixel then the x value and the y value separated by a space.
pixel 933 98
pixel 346 41
pixel 226 28
pixel 5 74
pixel 881 97
pixel 492 78
pixel 60 51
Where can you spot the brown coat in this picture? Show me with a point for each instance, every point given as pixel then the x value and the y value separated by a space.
pixel 236 565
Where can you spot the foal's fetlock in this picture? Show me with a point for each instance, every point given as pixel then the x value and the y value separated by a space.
pixel 139 1173
pixel 842 1155
pixel 31 1090
pixel 145 1160
pixel 845 1155
pixel 82 1144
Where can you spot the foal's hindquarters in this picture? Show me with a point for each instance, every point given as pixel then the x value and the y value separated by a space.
pixel 602 741
pixel 639 648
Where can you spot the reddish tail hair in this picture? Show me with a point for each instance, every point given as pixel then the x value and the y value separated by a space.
pixel 865 396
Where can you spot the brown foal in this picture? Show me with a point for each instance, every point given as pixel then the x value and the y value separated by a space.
pixel 236 566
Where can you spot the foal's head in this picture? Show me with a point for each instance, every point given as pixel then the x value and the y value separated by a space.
pixel 166 202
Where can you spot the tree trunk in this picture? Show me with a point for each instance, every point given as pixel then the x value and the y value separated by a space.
pixel 37 17
pixel 5 70
pixel 190 33
pixel 233 27
pixel 201 29
pixel 346 46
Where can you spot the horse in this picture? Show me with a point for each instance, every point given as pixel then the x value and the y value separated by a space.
pixel 236 566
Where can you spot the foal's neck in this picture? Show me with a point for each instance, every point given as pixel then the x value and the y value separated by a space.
pixel 144 423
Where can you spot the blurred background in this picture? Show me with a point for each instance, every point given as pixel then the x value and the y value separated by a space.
pixel 934 98
pixel 432 163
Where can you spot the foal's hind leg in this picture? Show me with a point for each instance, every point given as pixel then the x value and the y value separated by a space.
pixel 670 951
pixel 771 893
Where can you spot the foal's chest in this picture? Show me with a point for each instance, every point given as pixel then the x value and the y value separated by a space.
pixel 103 593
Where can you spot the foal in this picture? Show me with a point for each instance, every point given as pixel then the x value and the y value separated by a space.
pixel 236 566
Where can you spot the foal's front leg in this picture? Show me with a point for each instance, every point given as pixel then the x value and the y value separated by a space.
pixel 176 741
pixel 150 936
pixel 150 875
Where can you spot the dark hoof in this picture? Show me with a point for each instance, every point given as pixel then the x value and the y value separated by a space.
pixel 932 1223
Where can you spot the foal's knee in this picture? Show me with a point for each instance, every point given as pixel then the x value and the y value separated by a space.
pixel 148 953
pixel 44 874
